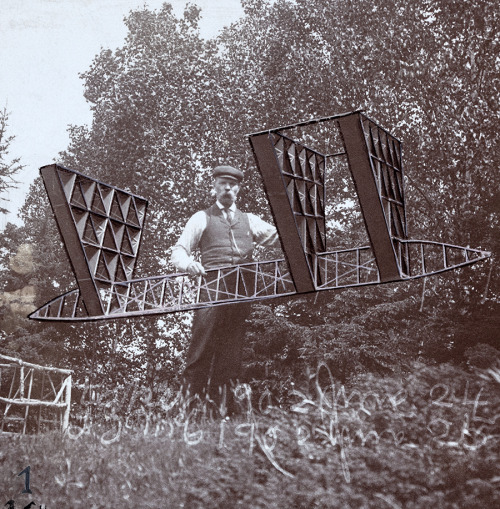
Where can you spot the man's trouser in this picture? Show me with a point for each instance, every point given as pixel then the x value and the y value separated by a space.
pixel 213 362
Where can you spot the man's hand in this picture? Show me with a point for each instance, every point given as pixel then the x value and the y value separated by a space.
pixel 196 269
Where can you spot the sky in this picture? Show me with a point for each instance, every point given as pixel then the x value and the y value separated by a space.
pixel 44 45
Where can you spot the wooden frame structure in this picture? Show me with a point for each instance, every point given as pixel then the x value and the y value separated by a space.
pixel 31 386
pixel 101 227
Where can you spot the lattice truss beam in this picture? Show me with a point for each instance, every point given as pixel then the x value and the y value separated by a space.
pixel 33 397
pixel 102 228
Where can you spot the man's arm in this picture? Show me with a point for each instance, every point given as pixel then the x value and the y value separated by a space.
pixel 182 253
pixel 264 234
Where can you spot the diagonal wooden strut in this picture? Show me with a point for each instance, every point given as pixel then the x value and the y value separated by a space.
pixel 101 227
pixel 283 212
pixel 358 158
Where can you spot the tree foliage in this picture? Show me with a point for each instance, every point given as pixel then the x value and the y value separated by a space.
pixel 7 168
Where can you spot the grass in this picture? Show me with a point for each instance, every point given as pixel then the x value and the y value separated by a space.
pixel 418 443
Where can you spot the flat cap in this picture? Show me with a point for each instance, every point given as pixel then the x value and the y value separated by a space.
pixel 228 171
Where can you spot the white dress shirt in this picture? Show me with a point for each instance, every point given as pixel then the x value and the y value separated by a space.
pixel 264 234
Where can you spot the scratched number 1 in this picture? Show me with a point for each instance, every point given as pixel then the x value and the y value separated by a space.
pixel 26 479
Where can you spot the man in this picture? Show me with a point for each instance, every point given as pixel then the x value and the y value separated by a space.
pixel 224 236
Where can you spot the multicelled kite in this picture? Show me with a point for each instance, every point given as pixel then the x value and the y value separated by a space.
pixel 101 227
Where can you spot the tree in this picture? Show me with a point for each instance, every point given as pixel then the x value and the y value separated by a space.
pixel 7 169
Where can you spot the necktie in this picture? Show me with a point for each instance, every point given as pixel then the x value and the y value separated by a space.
pixel 229 214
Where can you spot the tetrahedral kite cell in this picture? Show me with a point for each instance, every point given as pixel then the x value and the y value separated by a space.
pixel 101 227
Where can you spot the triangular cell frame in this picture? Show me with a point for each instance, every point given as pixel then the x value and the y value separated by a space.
pixel 90 218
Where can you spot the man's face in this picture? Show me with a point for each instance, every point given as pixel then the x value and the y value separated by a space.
pixel 226 190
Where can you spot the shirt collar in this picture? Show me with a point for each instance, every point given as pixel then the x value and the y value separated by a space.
pixel 232 208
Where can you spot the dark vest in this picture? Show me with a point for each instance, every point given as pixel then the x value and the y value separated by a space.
pixel 217 244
